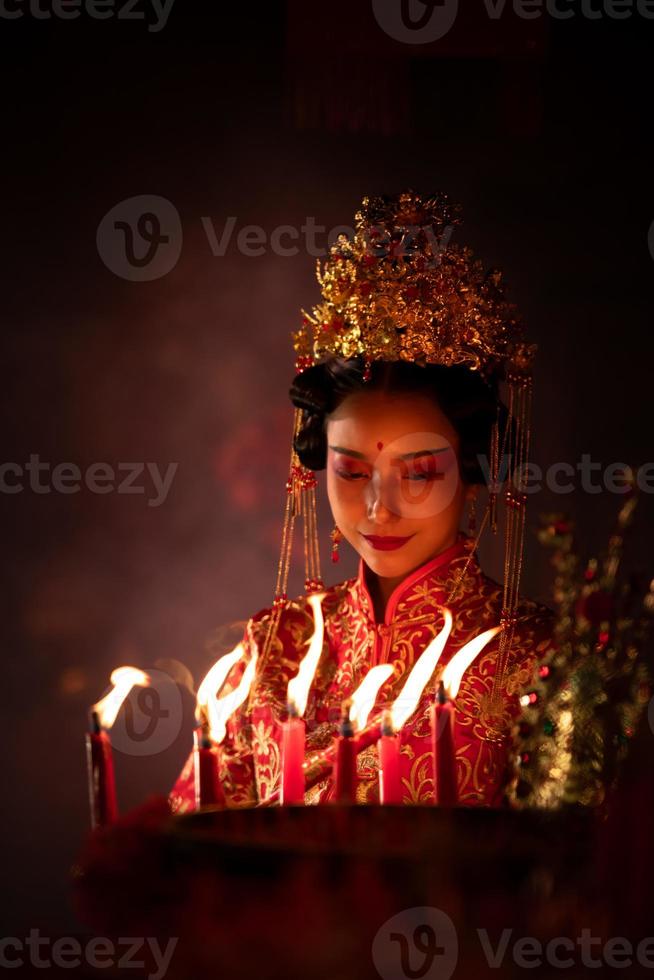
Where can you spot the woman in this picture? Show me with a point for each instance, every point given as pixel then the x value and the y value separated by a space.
pixel 397 396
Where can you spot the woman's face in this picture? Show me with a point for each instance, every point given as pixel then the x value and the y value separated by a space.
pixel 393 479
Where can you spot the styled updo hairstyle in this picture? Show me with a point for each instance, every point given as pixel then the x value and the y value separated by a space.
pixel 469 402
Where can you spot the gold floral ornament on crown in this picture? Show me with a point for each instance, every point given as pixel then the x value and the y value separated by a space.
pixel 399 290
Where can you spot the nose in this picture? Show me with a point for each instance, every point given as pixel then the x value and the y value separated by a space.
pixel 378 511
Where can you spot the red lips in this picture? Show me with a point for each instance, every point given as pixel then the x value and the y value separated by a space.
pixel 386 542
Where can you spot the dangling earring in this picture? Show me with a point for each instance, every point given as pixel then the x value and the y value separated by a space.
pixel 472 515
pixel 336 536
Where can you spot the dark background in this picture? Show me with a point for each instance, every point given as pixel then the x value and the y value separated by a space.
pixel 270 113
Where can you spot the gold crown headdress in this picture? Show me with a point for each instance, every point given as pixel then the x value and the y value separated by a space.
pixel 400 290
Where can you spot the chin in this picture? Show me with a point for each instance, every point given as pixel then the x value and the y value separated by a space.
pixel 391 564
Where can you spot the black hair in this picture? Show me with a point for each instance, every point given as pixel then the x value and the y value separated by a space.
pixel 470 403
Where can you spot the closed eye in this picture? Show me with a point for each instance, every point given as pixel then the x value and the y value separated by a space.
pixel 423 477
pixel 350 475
pixel 420 470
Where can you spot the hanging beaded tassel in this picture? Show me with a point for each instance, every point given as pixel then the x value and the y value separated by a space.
pixel 515 498
pixel 494 471
pixel 300 502
pixel 312 581
pixel 472 516
pixel 336 536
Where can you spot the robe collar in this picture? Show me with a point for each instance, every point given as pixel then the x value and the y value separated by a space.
pixel 433 576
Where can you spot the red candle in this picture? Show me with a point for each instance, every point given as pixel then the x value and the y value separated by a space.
pixel 345 773
pixel 213 714
pixel 100 764
pixel 388 748
pixel 442 730
pixel 101 780
pixel 293 729
pixel 208 790
pixel 442 718
pixel 318 765
pixel 292 759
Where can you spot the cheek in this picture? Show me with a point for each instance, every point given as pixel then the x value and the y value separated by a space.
pixel 331 495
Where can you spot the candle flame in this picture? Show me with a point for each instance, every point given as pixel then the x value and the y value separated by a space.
pixel 220 710
pixel 298 686
pixel 215 678
pixel 364 697
pixel 407 700
pixel 123 679
pixel 461 660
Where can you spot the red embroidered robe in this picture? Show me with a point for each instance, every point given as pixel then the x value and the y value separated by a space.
pixel 250 756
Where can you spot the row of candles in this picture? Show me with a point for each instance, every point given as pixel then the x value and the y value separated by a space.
pixel 355 734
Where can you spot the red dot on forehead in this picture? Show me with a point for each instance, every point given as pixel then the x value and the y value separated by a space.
pixel 380 446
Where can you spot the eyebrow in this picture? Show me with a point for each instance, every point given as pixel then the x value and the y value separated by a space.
pixel 416 455
pixel 347 452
